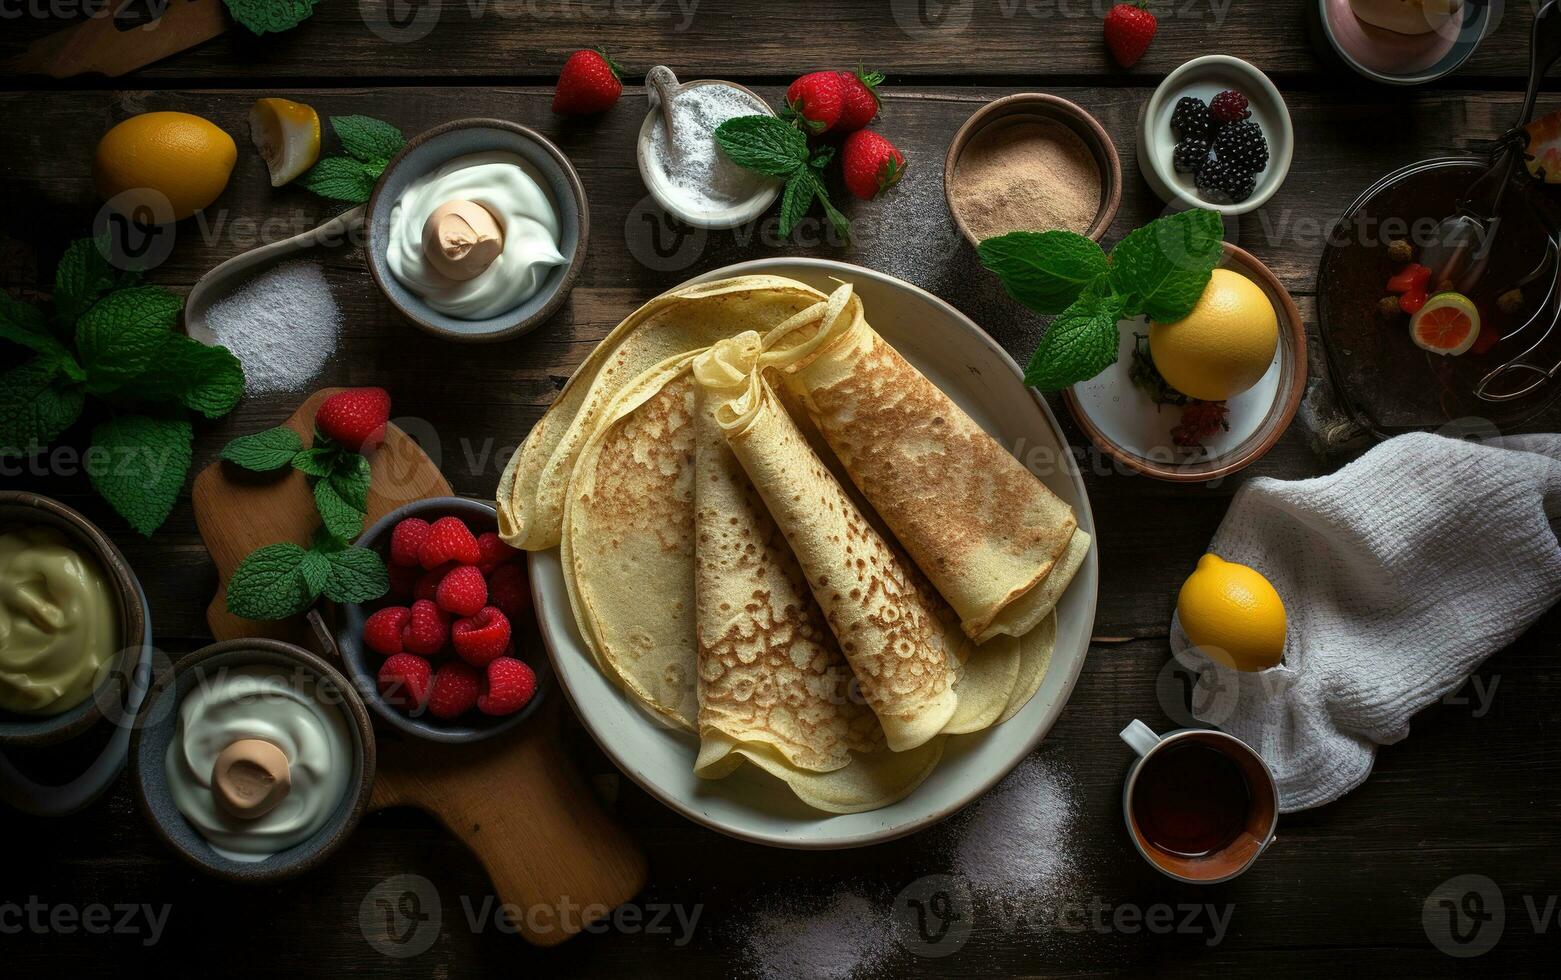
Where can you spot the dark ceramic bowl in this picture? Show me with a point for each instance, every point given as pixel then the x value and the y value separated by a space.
pixel 362 664
pixel 28 509
pixel 159 724
pixel 432 149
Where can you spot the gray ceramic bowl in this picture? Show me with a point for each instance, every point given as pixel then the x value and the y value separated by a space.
pixel 22 509
pixel 435 147
pixel 1336 34
pixel 363 664
pixel 159 724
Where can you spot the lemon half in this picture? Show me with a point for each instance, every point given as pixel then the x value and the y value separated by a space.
pixel 287 134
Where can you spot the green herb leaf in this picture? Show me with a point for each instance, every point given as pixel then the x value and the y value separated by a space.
pixel 205 378
pixel 341 179
pixel 268 585
pixel 1161 269
pixel 341 517
pixel 1079 344
pixel 368 139
pixel 351 477
pixel 138 464
pixel 763 143
pixel 357 575
pixel 795 201
pixel 122 332
pixel 315 570
pixel 36 404
pixel 1046 271
pixel 840 222
pixel 318 461
pixel 270 16
pixel 24 324
pixel 264 451
pixel 83 275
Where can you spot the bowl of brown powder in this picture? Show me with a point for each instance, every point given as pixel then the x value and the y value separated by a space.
pixel 1032 162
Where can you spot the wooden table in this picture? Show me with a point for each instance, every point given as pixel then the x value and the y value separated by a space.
pixel 1476 790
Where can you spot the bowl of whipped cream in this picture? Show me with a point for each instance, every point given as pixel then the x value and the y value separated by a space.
pixel 477 230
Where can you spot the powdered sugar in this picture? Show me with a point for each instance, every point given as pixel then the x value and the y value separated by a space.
pixel 844 938
pixel 693 171
pixel 282 326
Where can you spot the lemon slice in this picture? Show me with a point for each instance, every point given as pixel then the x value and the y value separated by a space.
pixel 287 134
pixel 1448 323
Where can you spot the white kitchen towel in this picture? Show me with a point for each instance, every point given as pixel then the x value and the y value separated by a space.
pixel 1400 573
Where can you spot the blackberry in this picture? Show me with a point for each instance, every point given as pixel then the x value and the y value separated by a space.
pixel 1190 155
pixel 1191 118
pixel 1228 107
pixel 1243 145
pixel 1219 177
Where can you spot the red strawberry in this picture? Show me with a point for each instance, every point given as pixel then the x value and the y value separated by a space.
pixel 455 690
pixel 403 579
pixel 493 551
pixel 589 83
pixel 480 638
pixel 1129 29
pixel 870 164
pixel 449 540
pixel 463 591
pixel 427 630
pixel 510 592
pixel 407 540
pixel 861 99
pixel 382 631
pixel 355 418
pixel 816 100
pixel 405 681
pixel 511 683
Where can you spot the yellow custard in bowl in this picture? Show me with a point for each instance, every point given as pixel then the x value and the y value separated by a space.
pixel 58 622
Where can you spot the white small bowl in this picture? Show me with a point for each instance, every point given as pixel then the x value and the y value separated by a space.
pixel 1205 78
pixel 730 217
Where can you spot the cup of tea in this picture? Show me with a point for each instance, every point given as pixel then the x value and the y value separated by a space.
pixel 1200 805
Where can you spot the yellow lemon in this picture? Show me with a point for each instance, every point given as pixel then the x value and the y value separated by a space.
pixel 169 165
pixel 1224 346
pixel 1232 613
pixel 287 134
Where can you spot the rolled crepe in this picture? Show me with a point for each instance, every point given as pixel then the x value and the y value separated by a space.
pixel 994 541
pixel 886 629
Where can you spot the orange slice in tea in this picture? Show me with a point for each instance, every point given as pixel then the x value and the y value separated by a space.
pixel 1448 324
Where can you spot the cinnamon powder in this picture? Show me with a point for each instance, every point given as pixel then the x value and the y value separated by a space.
pixel 1026 176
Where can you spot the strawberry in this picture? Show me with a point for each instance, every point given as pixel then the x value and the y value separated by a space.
pixel 589 83
pixel 403 579
pixel 1129 29
pixel 480 638
pixel 355 418
pixel 449 539
pixel 816 101
pixel 427 629
pixel 463 591
pixel 509 590
pixel 861 99
pixel 492 552
pixel 405 681
pixel 406 540
pixel 382 631
pixel 511 683
pixel 870 164
pixel 455 689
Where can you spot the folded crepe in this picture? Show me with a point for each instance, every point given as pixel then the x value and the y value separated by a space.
pixel 994 541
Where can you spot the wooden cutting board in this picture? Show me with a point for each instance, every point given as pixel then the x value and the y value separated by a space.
pixel 516 800
pixel 113 42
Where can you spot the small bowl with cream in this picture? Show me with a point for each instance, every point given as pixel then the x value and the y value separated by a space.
pixel 254 760
pixel 1402 42
pixel 477 230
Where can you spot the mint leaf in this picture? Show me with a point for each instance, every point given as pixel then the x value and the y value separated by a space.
pixel 1046 271
pixel 122 332
pixel 341 517
pixel 763 143
pixel 840 222
pixel 36 404
pixel 350 476
pixel 138 464
pixel 83 275
pixel 357 575
pixel 318 461
pixel 368 139
pixel 315 570
pixel 1161 269
pixel 341 179
pixel 25 325
pixel 270 16
pixel 267 584
pixel 795 201
pixel 264 451
pixel 202 377
pixel 1079 344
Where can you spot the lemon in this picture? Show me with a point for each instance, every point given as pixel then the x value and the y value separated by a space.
pixel 167 165
pixel 1224 346
pixel 287 134
pixel 1233 614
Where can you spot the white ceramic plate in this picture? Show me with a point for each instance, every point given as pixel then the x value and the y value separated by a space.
pixel 983 380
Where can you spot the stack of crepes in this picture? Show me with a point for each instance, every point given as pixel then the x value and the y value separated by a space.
pixel 781 536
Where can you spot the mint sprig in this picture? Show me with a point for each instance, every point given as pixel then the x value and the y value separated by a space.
pixel 769 146
pixel 270 16
pixel 1159 271
pixel 370 143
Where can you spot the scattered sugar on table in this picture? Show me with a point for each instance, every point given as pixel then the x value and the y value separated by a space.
pixel 282 326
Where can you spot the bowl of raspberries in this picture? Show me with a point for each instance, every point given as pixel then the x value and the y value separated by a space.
pixel 441 655
pixel 1216 134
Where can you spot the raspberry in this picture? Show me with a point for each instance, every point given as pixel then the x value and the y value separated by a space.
pixel 355 418
pixel 406 541
pixel 382 631
pixel 427 630
pixel 1228 107
pixel 403 580
pixel 511 683
pixel 480 638
pixel 448 540
pixel 463 591
pixel 510 592
pixel 1242 145
pixel 493 552
pixel 455 689
pixel 405 681
pixel 427 584
pixel 1191 119
pixel 1190 155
